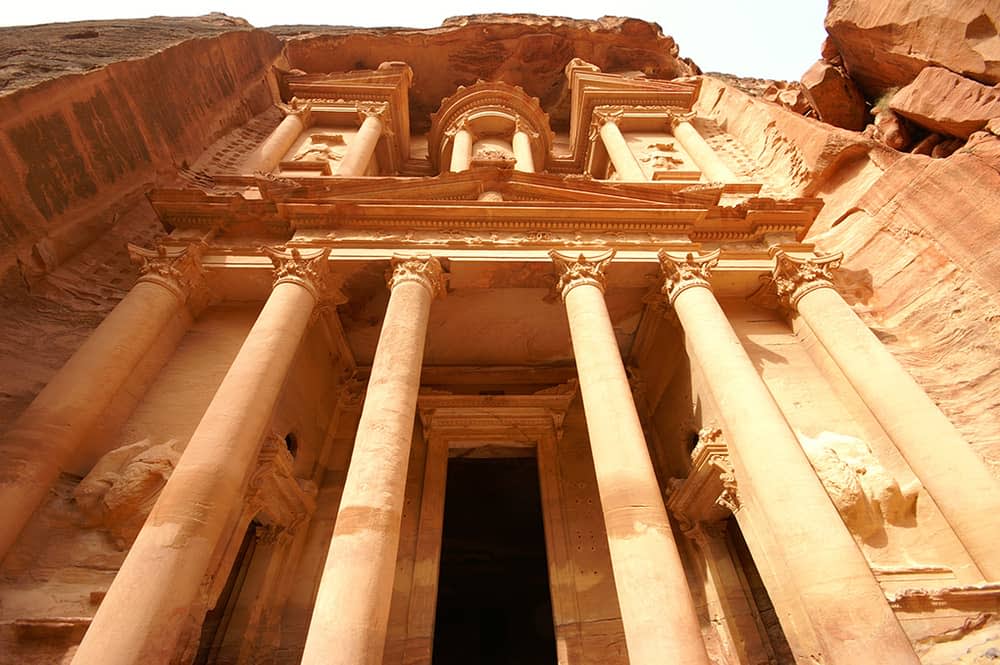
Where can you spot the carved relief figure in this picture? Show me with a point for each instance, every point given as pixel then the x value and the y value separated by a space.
pixel 121 489
pixel 864 492
pixel 659 157
pixel 322 147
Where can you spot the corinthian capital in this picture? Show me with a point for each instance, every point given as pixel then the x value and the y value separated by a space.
pixel 680 274
pixel 794 277
pixel 424 270
pixel 378 110
pixel 177 269
pixel 675 118
pixel 303 110
pixel 311 272
pixel 578 271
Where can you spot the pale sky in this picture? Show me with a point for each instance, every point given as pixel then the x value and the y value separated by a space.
pixel 777 39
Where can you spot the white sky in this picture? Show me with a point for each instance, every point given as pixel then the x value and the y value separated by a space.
pixel 763 38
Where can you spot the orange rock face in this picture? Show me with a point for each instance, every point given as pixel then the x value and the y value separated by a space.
pixel 834 96
pixel 945 102
pixel 886 44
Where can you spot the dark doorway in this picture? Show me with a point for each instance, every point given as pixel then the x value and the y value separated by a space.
pixel 493 603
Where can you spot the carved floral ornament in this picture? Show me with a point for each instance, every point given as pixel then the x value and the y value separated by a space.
pixel 378 110
pixel 311 272
pixel 177 269
pixel 424 270
pixel 794 277
pixel 581 270
pixel 680 274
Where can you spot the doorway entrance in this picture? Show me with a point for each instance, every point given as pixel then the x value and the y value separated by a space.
pixel 493 605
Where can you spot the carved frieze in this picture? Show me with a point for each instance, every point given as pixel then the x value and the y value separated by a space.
pixel 794 277
pixel 680 274
pixel 424 270
pixel 581 270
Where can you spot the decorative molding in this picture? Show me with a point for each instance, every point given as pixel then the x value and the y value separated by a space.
pixel 424 270
pixel 177 269
pixel 310 272
pixel 794 277
pixel 682 274
pixel 709 493
pixel 581 270
pixel 922 600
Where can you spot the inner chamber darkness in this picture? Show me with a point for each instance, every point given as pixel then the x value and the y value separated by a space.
pixel 494 606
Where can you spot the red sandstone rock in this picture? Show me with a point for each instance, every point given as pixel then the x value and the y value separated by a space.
pixel 945 102
pixel 891 130
pixel 788 94
pixel 886 44
pixel 834 96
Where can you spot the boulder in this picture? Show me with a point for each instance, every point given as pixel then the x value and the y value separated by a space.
pixel 834 96
pixel 947 103
pixel 886 44
pixel 789 94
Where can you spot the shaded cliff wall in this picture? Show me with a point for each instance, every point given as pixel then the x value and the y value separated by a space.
pixel 81 141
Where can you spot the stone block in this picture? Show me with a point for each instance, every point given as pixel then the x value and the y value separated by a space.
pixel 947 103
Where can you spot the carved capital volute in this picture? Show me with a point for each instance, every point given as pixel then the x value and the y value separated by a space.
pixel 458 125
pixel 601 116
pixel 581 270
pixel 310 271
pixel 425 270
pixel 523 126
pixel 177 269
pixel 794 277
pixel 680 274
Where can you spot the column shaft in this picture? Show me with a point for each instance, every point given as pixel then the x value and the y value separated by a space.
pixel 524 161
pixel 846 605
pixel 362 147
pixel 461 151
pixel 658 613
pixel 711 165
pixel 620 154
pixel 954 475
pixel 351 613
pixel 146 610
pixel 268 155
pixel 43 440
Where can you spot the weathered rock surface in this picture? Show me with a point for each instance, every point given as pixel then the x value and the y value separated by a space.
pixel 945 102
pixel 524 50
pixel 886 44
pixel 834 96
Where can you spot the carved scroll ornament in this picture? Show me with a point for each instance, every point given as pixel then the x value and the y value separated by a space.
pixel 177 269
pixel 311 272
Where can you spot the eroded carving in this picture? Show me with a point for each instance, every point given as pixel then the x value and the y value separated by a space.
pixel 119 492
pixel 865 493
pixel 322 148
pixel 310 271
pixel 581 270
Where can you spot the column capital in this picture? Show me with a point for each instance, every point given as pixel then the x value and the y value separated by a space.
pixel 311 272
pixel 460 124
pixel 794 277
pixel 675 118
pixel 581 270
pixel 378 110
pixel 680 274
pixel 425 270
pixel 299 109
pixel 177 269
pixel 603 115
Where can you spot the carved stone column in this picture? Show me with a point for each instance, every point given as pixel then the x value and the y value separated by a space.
pixel 46 437
pixel 711 165
pixel 362 146
pixel 461 147
pixel 269 153
pixel 627 166
pixel 950 470
pixel 521 142
pixel 146 609
pixel 351 614
pixel 846 606
pixel 658 613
